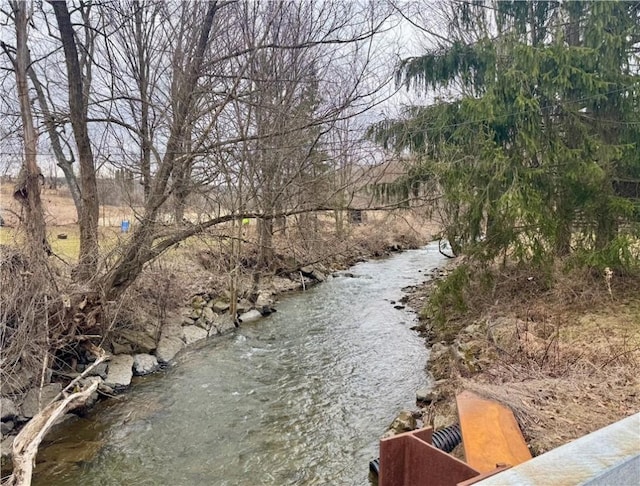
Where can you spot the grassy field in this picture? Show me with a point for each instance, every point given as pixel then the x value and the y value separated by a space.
pixel 61 220
pixel 65 240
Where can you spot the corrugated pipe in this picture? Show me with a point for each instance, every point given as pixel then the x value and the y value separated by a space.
pixel 448 438
pixel 444 439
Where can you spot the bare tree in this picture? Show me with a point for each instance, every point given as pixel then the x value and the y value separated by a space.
pixel 78 114
pixel 27 190
pixel 236 96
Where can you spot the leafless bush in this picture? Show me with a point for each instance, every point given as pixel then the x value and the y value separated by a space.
pixel 30 320
pixel 160 290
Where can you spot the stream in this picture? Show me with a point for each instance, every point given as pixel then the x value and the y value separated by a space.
pixel 300 397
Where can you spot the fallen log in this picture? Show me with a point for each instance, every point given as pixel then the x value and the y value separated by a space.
pixel 26 443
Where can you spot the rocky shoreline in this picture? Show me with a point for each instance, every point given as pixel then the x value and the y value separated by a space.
pixel 435 404
pixel 149 348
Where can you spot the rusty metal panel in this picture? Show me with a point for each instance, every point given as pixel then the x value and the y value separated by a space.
pixel 490 434
pixel 609 456
pixel 410 460
pixel 392 460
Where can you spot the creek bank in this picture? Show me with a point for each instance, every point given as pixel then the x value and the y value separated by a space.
pixel 557 354
pixel 452 356
pixel 147 347
pixel 434 403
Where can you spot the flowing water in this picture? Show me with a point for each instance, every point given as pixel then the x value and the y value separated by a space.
pixel 300 397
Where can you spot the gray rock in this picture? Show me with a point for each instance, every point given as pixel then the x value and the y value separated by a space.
pixel 252 315
pixel 222 325
pixel 99 370
pixel 427 395
pixel 6 447
pixel 92 399
pixel 220 306
pixel 143 364
pixel 175 320
pixel 264 299
pixel 141 341
pixel 122 348
pixel 404 422
pixel 168 347
pixel 120 371
pixel 8 409
pixel 313 273
pixel 30 404
pixel 203 324
pixel 266 310
pixel 208 315
pixel 6 427
pixel 243 306
pixel 319 276
pixel 172 329
pixel 346 275
pixel 198 302
pixel 307 270
pixel 193 334
pixel 86 382
pixel 21 380
pixel 107 390
pixel 281 284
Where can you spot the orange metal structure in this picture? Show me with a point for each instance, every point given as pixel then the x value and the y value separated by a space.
pixel 409 459
pixel 491 438
pixel 490 434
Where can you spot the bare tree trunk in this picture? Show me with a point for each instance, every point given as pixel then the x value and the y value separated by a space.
pixel 90 211
pixel 182 179
pixel 143 83
pixel 54 138
pixel 139 248
pixel 265 242
pixel 28 189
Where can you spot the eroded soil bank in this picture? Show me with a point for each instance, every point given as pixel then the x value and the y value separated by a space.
pixel 563 355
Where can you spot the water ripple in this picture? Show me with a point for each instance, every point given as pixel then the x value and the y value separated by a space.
pixel 298 398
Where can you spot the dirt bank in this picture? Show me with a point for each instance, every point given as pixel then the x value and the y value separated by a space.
pixel 561 352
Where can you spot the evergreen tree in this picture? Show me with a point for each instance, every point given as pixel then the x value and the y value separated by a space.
pixel 536 147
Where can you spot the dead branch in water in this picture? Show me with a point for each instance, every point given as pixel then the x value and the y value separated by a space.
pixel 26 443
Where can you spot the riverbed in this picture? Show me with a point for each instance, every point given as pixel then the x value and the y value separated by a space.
pixel 300 397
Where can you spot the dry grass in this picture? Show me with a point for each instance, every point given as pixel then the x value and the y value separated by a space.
pixel 59 209
pixel 562 353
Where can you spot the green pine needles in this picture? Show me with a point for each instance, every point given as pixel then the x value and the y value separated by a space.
pixel 535 150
